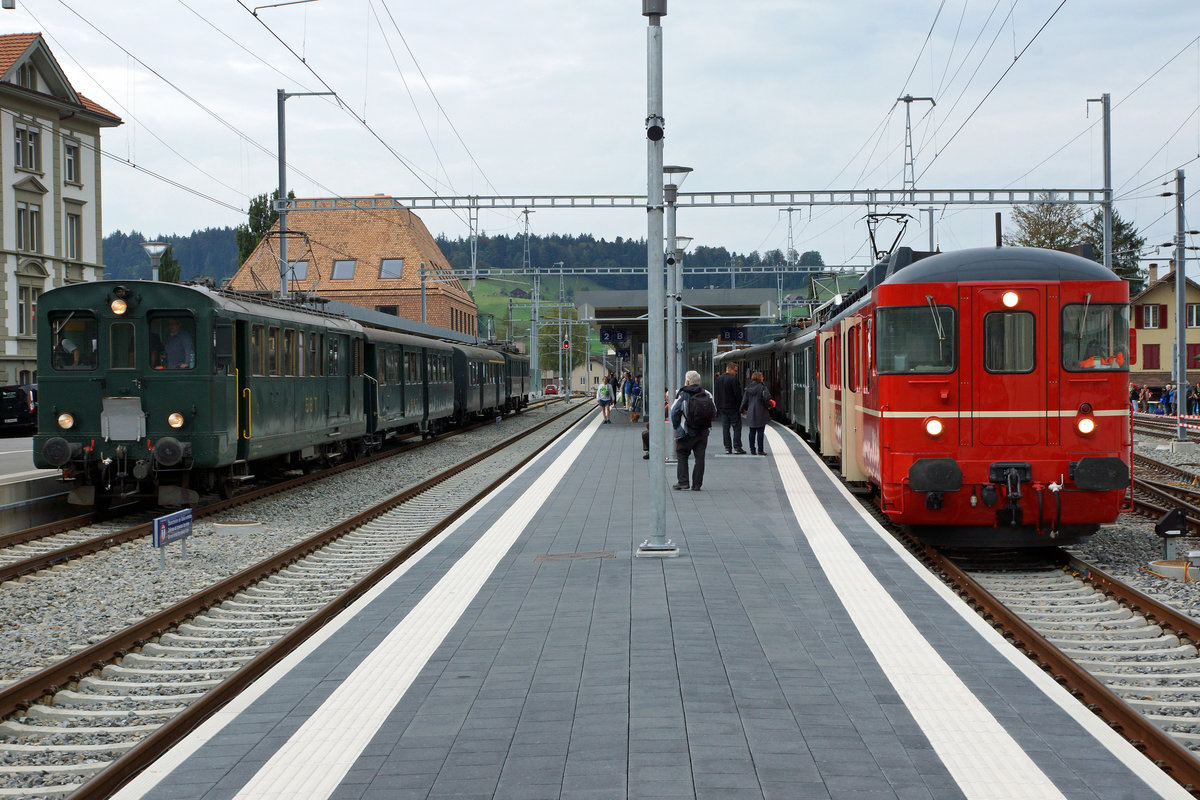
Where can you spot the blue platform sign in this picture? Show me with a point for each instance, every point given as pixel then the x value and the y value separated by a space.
pixel 622 354
pixel 733 334
pixel 171 528
pixel 612 335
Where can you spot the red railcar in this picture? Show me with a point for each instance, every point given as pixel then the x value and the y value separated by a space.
pixel 983 393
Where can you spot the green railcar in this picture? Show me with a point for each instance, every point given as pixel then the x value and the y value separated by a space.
pixel 160 390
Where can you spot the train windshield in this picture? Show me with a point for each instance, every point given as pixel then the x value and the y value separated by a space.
pixel 73 340
pixel 914 339
pixel 1095 336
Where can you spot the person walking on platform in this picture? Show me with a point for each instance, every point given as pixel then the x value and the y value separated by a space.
pixel 728 391
pixel 691 416
pixel 604 396
pixel 756 405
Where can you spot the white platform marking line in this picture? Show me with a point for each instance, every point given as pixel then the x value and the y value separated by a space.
pixel 315 759
pixel 210 728
pixel 980 755
pixel 1123 751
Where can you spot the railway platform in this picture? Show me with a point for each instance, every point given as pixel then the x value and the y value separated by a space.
pixel 791 650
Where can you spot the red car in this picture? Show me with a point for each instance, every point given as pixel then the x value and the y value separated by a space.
pixel 551 390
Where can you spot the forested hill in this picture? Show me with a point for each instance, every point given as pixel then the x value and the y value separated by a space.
pixel 213 252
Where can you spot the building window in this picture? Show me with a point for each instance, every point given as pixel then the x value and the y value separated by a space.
pixel 1150 356
pixel 393 310
pixel 391 268
pixel 27 76
pixel 27 151
pixel 72 236
pixel 1150 317
pixel 71 162
pixel 343 270
pixel 299 270
pixel 1193 315
pixel 27 297
pixel 29 227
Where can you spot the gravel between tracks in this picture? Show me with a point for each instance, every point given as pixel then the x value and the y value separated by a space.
pixel 89 599
pixel 1125 549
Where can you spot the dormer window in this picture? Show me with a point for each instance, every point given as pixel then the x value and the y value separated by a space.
pixel 27 76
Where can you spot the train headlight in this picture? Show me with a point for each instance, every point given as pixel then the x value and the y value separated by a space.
pixel 118 306
pixel 1085 425
pixel 934 427
pixel 1009 299
pixel 175 420
pixel 66 421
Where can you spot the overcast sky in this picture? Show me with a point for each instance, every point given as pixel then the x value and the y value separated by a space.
pixel 537 97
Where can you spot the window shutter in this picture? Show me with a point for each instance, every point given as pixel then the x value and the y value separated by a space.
pixel 1193 356
pixel 1137 316
pixel 1162 316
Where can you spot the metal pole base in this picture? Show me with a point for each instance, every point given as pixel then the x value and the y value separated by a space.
pixel 667 550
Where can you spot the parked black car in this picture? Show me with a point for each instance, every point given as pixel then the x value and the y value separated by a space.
pixel 18 408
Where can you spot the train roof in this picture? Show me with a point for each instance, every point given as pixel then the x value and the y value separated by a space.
pixel 406 339
pixel 1001 263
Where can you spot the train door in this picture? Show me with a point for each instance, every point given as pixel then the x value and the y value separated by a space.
pixel 852 400
pixel 1008 385
pixel 243 354
pixel 829 405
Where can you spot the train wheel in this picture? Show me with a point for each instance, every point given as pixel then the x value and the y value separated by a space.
pixel 226 488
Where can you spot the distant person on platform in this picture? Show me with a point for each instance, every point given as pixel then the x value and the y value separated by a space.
pixel 728 394
pixel 604 397
pixel 692 415
pixel 756 405
pixel 181 351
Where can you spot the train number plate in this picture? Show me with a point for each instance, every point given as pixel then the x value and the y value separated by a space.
pixel 14 419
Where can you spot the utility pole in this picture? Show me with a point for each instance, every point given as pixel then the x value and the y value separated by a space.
pixel 932 242
pixel 910 179
pixel 561 300
pixel 1180 310
pixel 657 543
pixel 473 222
pixel 281 202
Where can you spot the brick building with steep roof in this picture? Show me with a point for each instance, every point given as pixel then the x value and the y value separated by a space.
pixel 368 255
pixel 50 227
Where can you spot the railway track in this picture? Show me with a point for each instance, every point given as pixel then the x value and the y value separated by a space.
pixel 45 546
pixel 83 726
pixel 1129 658
pixel 1159 487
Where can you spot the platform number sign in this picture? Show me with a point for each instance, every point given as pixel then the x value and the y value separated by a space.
pixel 734 334
pixel 612 335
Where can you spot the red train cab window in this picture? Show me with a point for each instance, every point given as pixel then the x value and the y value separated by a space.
pixel 915 339
pixel 1009 342
pixel 1095 336
pixel 852 359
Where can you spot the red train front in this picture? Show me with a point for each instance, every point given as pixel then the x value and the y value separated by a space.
pixel 985 393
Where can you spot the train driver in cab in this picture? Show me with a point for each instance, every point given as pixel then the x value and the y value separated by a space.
pixel 180 349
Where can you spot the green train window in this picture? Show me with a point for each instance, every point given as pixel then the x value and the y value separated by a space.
pixel 272 351
pixel 258 350
pixel 289 352
pixel 73 340
pixel 315 366
pixel 172 341
pixel 121 349
pixel 300 354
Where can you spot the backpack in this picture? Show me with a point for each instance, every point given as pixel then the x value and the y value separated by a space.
pixel 700 412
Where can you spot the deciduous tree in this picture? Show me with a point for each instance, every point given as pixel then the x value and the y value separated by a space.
pixel 1053 226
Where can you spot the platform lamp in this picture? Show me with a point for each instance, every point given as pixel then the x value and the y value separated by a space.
pixel 155 251
pixel 674 176
pixel 680 352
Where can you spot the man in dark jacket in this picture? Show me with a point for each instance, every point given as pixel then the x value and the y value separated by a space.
pixel 728 394
pixel 691 433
